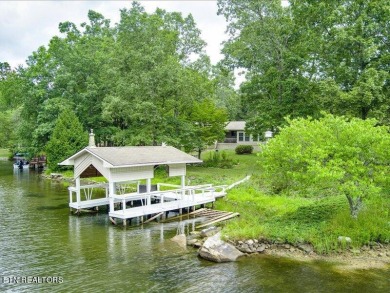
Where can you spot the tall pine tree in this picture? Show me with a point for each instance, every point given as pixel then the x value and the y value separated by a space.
pixel 68 138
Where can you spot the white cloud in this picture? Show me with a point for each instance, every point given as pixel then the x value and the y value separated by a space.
pixel 26 25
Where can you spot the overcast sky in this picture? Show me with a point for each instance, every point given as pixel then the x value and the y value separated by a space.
pixel 26 25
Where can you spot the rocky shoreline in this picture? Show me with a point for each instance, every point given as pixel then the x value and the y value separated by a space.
pixel 374 255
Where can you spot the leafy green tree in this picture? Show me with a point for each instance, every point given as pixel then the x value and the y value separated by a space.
pixel 135 83
pixel 331 155
pixel 68 138
pixel 309 56
pixel 154 84
pixel 209 125
pixel 226 96
pixel 352 53
pixel 11 97
pixel 274 53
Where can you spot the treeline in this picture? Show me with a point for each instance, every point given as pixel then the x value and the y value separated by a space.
pixel 143 81
pixel 147 79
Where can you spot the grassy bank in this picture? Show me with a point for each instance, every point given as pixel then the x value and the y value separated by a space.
pixel 4 153
pixel 286 219
pixel 298 220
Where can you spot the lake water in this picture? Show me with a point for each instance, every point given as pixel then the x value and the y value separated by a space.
pixel 44 248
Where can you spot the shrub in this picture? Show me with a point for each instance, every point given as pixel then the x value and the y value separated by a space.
pixel 218 159
pixel 244 149
pixel 329 156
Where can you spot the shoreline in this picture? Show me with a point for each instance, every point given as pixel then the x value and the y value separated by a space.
pixel 376 256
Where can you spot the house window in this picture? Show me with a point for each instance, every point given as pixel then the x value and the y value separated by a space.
pixel 240 136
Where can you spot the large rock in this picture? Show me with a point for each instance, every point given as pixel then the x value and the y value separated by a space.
pixel 344 239
pixel 261 248
pixel 180 240
pixel 306 248
pixel 209 231
pixel 216 250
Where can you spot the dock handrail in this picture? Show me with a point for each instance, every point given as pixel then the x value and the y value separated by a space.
pixel 98 185
pixel 88 190
pixel 188 192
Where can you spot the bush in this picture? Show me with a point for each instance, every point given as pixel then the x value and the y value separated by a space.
pixel 244 149
pixel 219 160
pixel 329 156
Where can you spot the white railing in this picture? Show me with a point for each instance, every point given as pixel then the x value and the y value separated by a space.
pixel 188 193
pixel 88 191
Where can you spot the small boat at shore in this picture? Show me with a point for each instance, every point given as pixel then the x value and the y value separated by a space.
pixel 21 166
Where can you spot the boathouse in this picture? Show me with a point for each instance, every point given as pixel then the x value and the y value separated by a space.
pixel 135 165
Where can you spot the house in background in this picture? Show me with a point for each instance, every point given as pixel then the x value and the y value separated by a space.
pixel 235 135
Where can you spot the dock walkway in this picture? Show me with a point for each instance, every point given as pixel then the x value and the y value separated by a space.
pixel 163 201
pixel 122 206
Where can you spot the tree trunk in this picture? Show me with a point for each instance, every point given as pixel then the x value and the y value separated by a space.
pixel 199 152
pixel 354 205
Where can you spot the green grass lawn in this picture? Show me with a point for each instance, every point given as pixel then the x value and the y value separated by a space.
pixel 4 153
pixel 245 165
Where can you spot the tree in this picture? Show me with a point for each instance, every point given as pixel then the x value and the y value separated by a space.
pixel 328 156
pixel 226 96
pixel 310 56
pixel 352 53
pixel 274 52
pixel 68 138
pixel 11 97
pixel 153 82
pixel 135 83
pixel 209 124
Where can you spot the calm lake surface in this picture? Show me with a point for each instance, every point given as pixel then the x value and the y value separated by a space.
pixel 40 238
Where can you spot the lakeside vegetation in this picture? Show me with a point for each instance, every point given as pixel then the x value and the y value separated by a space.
pixel 293 219
pixel 4 153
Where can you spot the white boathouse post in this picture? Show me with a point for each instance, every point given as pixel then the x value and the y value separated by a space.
pixel 148 189
pixel 78 191
pixel 111 192
pixel 183 181
pixel 183 192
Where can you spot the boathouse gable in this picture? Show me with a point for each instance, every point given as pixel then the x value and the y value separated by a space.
pixel 83 162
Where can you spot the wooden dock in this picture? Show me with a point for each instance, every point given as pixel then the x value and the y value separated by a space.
pixel 139 204
pixel 158 202
pixel 212 216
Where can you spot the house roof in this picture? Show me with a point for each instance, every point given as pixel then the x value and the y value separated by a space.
pixel 235 125
pixel 115 157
